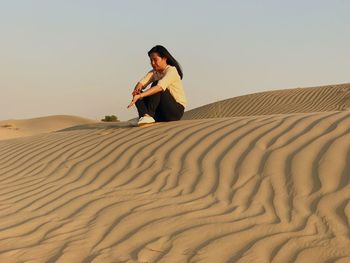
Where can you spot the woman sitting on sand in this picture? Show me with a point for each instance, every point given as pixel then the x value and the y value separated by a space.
pixel 165 100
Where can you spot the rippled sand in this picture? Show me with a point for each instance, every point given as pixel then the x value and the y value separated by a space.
pixel 272 188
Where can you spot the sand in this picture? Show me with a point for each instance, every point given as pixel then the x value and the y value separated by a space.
pixel 267 188
pixel 303 100
pixel 20 128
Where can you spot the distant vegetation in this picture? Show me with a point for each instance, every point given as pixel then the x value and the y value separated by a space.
pixel 110 118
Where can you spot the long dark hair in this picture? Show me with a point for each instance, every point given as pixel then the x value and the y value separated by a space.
pixel 164 53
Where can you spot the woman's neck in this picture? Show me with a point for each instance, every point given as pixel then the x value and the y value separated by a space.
pixel 161 70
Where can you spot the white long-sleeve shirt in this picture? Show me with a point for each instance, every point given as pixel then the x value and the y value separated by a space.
pixel 169 79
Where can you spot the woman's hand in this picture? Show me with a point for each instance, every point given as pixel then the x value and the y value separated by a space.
pixel 137 89
pixel 135 92
pixel 135 98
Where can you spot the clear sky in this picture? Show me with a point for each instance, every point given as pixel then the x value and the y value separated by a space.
pixel 83 57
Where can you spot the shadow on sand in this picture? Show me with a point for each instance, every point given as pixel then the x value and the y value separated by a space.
pixel 102 126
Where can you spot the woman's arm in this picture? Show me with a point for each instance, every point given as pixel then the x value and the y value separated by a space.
pixel 144 82
pixel 149 92
pixel 137 90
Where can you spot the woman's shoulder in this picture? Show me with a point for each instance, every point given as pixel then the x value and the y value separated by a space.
pixel 171 70
pixel 169 67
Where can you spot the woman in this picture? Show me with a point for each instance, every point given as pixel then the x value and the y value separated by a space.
pixel 165 100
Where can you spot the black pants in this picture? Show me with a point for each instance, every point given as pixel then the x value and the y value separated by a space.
pixel 161 106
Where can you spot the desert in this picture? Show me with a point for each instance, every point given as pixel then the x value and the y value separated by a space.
pixel 263 177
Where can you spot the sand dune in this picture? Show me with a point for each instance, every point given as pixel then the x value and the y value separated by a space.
pixel 272 188
pixel 27 127
pixel 299 100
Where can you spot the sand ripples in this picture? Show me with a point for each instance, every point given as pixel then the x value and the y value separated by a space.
pixel 247 189
pixel 301 100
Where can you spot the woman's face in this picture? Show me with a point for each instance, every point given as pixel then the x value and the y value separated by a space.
pixel 158 63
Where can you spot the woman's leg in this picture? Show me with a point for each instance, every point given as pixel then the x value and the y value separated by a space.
pixel 142 108
pixel 161 106
pixel 168 109
pixel 148 105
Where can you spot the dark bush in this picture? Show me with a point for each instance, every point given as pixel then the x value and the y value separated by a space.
pixel 110 118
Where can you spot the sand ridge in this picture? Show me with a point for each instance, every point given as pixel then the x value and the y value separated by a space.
pixel 27 127
pixel 297 100
pixel 269 188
